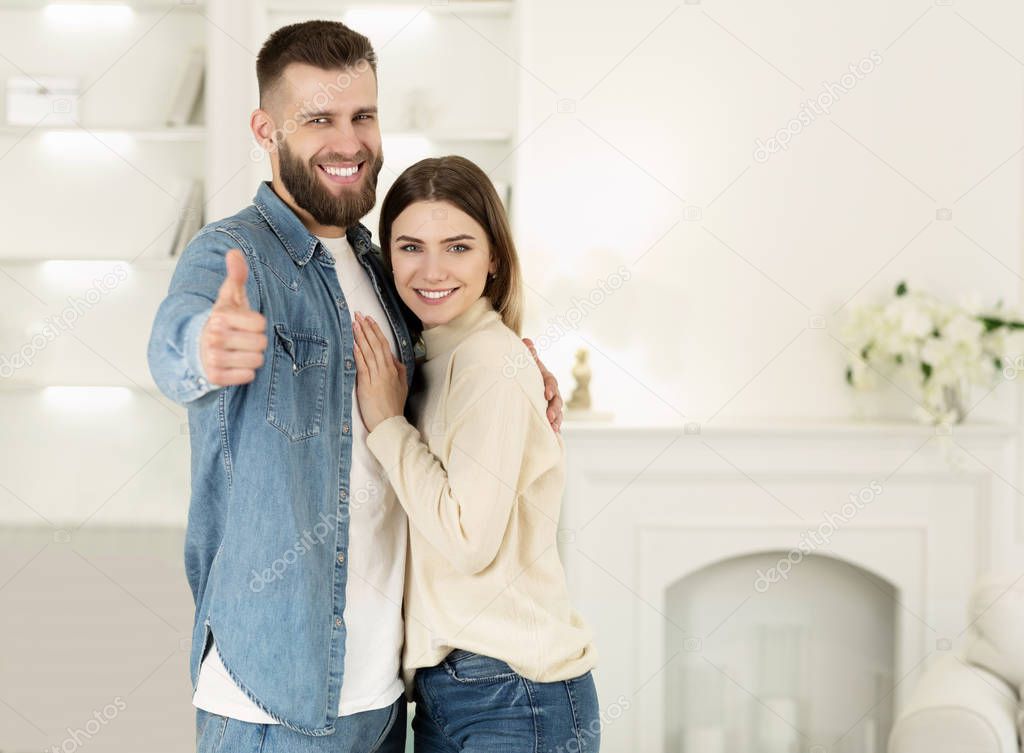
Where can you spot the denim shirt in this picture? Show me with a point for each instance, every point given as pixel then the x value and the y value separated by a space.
pixel 268 523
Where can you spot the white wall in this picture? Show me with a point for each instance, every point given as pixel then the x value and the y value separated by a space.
pixel 668 102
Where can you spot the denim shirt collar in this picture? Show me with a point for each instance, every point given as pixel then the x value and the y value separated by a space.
pixel 297 240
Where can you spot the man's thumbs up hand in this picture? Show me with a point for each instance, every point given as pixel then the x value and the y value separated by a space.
pixel 233 341
pixel 232 290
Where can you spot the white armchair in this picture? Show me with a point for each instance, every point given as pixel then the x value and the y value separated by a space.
pixel 969 702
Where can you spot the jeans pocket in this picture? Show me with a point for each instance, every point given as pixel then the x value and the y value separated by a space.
pixel 211 734
pixel 467 667
pixel 298 382
pixel 390 738
pixel 586 711
pixel 202 719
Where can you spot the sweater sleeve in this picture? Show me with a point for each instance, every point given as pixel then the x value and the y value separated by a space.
pixel 461 503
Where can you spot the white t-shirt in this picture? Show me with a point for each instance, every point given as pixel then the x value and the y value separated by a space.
pixel 375 559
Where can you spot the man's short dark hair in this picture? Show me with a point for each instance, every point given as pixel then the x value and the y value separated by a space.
pixel 329 45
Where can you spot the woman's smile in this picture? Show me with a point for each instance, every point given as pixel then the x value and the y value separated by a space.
pixel 435 296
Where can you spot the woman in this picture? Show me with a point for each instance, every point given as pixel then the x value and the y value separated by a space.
pixel 495 657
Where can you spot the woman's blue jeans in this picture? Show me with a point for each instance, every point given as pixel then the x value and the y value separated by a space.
pixel 475 704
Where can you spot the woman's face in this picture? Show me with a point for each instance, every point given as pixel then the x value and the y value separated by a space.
pixel 441 259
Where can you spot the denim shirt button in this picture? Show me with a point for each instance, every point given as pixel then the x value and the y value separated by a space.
pixel 348 363
pixel 337 622
pixel 343 495
pixel 345 428
pixel 341 558
pixel 404 343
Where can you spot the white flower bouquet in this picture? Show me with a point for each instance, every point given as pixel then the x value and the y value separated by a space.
pixel 937 348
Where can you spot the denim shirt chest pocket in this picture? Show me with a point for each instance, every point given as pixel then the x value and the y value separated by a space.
pixel 298 382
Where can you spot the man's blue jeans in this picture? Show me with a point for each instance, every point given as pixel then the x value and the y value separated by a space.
pixel 475 704
pixel 377 731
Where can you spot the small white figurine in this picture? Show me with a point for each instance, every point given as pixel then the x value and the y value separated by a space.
pixel 578 407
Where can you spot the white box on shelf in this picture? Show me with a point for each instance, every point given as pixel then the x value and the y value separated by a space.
pixel 30 100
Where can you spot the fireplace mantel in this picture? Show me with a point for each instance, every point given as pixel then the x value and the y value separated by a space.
pixel 647 505
pixel 764 427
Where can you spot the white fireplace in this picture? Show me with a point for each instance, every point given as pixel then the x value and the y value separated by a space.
pixel 761 677
pixel 778 587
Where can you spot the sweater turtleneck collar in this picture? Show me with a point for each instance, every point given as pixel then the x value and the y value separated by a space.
pixel 444 337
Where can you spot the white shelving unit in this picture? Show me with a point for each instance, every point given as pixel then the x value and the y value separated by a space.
pixel 81 199
pixel 88 214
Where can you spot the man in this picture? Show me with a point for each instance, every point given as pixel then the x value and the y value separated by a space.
pixel 295 549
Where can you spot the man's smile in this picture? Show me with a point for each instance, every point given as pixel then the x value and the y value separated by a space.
pixel 343 173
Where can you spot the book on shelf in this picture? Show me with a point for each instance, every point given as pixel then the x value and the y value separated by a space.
pixel 190 90
pixel 504 191
pixel 190 218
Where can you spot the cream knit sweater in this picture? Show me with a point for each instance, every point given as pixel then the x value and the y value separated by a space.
pixel 483 496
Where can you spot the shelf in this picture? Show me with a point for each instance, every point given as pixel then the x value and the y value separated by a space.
pixel 477 8
pixel 85 396
pixel 182 134
pixel 161 263
pixel 463 7
pixel 12 386
pixel 138 5
pixel 166 265
pixel 451 136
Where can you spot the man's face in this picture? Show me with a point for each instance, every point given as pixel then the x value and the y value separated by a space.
pixel 329 152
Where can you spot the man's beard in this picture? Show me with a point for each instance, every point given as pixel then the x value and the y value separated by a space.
pixel 344 210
